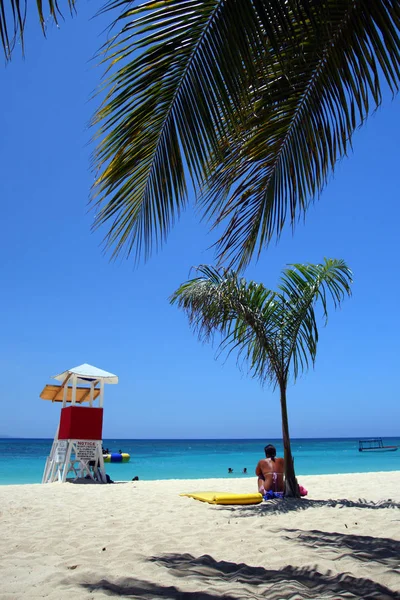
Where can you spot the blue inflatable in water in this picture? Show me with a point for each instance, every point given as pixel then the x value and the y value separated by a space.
pixel 116 457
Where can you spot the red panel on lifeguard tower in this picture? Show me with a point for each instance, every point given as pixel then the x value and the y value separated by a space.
pixel 81 423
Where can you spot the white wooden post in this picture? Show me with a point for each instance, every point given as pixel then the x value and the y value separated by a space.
pixel 74 380
pixel 100 466
pixel 53 469
pixel 50 458
pixel 93 383
pixel 101 401
pixel 65 395
pixel 66 464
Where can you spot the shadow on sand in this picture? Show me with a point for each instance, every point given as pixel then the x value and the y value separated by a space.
pixel 285 583
pixel 294 505
pixel 235 581
pixel 364 548
pixel 147 590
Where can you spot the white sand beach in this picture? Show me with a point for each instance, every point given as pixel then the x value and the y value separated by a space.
pixel 142 540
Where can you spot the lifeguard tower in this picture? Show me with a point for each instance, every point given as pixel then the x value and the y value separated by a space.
pixel 77 447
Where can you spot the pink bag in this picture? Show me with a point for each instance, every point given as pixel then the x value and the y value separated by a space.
pixel 303 491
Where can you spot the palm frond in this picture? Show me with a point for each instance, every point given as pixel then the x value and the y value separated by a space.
pixel 254 100
pixel 324 86
pixel 245 314
pixel 13 19
pixel 303 286
pixel 274 332
pixel 179 72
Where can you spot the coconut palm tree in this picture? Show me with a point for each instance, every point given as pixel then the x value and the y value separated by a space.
pixel 251 101
pixel 274 331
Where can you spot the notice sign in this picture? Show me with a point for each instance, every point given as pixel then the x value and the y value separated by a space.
pixel 85 450
pixel 61 451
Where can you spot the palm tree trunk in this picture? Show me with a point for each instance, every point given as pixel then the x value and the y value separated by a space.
pixel 291 485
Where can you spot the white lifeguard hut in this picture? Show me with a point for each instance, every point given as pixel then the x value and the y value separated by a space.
pixel 77 447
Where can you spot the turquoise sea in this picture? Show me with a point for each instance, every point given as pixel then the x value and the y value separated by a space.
pixel 22 460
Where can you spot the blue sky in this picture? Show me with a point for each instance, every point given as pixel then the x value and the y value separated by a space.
pixel 63 302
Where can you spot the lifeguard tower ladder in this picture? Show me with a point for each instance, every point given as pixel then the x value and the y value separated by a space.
pixel 77 447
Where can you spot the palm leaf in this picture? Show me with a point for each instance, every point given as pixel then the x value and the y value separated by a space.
pixel 180 68
pixel 303 286
pixel 245 314
pixel 303 122
pixel 13 19
pixel 255 101
pixel 275 332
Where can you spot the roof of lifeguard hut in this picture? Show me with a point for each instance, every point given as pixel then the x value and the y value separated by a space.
pixel 89 373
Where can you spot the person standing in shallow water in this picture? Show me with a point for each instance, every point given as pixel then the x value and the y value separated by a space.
pixel 270 471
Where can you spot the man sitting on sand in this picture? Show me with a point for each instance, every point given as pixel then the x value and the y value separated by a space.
pixel 270 471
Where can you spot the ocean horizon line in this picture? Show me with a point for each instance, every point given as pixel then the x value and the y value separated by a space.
pixel 217 439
